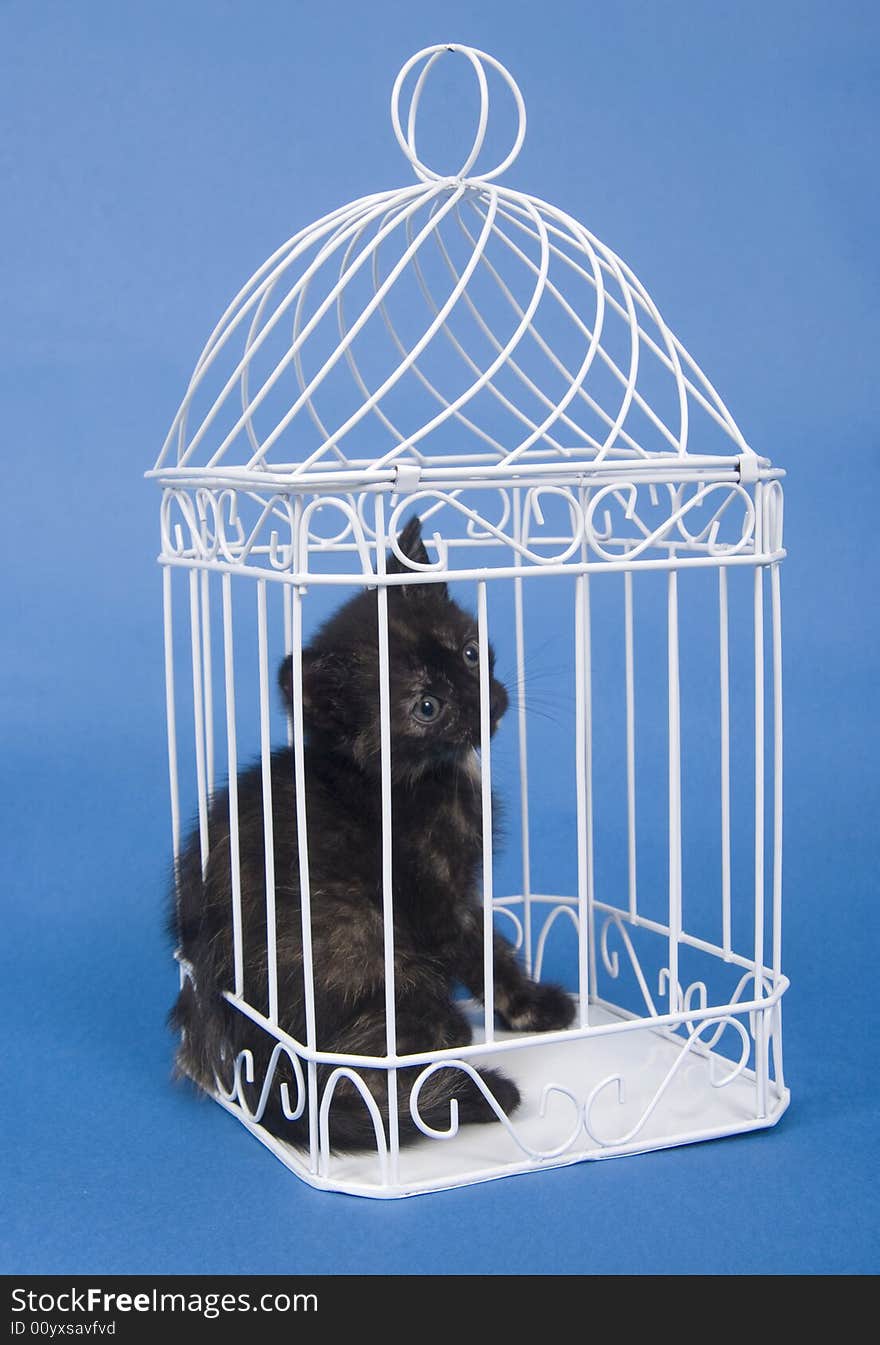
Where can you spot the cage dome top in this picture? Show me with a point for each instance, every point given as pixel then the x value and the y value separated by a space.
pixel 455 324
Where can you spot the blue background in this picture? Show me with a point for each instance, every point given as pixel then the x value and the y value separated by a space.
pixel 154 154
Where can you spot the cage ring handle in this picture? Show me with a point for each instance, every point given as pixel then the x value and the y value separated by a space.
pixel 407 141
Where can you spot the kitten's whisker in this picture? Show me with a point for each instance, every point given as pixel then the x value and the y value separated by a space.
pixel 529 702
pixel 530 673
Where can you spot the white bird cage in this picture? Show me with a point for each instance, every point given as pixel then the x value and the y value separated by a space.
pixel 467 352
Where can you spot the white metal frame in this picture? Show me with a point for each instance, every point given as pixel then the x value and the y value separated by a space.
pixel 561 467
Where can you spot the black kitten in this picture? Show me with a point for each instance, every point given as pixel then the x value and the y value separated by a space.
pixel 437 853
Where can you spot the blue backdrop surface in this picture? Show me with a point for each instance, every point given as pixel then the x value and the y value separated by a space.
pixel 153 155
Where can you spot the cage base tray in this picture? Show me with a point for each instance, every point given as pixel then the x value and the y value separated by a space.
pixel 655 1111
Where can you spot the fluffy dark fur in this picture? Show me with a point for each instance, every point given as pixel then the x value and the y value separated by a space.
pixel 437 851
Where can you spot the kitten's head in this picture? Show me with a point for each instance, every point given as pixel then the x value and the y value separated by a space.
pixel 434 667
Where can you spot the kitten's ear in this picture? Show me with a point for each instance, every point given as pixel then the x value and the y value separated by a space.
pixel 410 544
pixel 285 681
pixel 324 681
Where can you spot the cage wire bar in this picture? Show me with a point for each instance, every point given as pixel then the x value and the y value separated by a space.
pixel 575 443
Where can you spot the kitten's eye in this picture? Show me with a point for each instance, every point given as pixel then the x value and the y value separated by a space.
pixel 471 654
pixel 426 709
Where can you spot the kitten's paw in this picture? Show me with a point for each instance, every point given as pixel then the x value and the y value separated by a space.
pixel 539 1007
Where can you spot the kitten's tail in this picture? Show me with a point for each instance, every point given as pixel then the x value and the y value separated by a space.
pixel 211 1040
pixel 213 1034
pixel 352 1128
